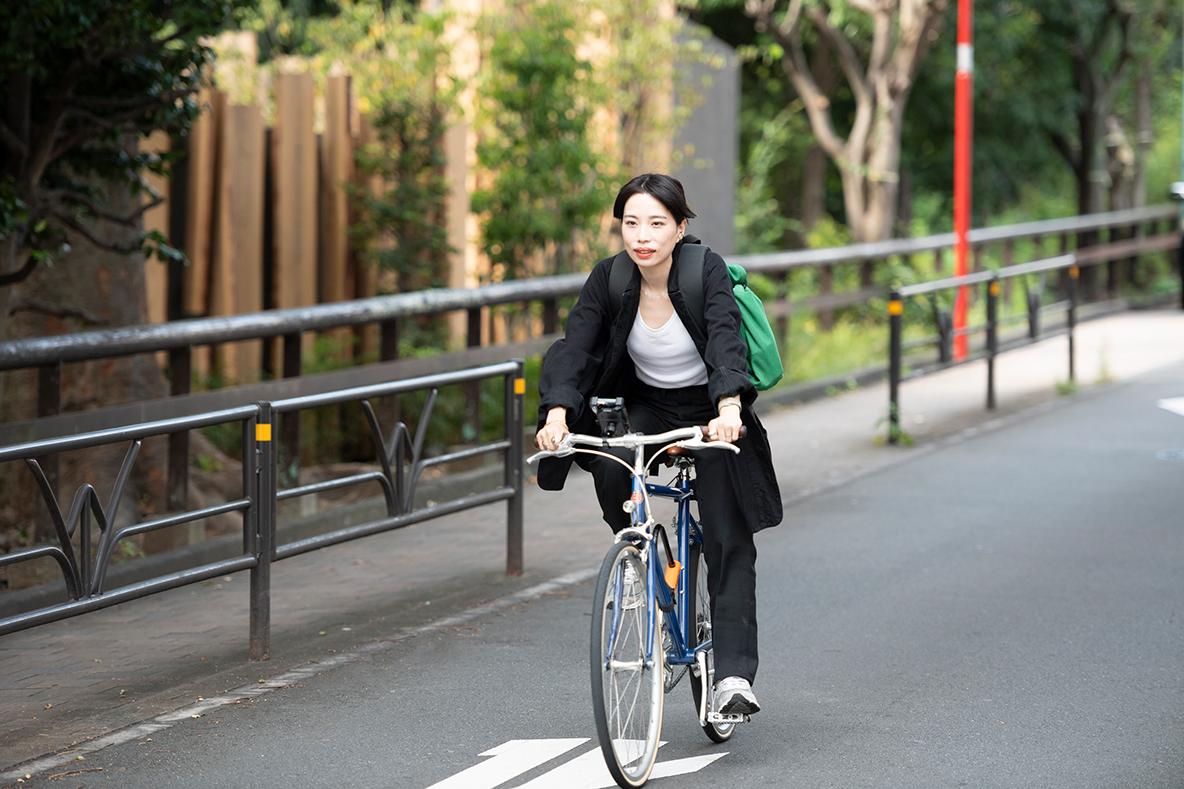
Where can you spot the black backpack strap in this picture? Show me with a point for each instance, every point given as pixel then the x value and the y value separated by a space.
pixel 691 259
pixel 620 272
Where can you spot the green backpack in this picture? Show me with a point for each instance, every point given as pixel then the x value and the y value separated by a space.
pixel 764 362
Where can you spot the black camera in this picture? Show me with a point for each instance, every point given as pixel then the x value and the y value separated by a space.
pixel 610 415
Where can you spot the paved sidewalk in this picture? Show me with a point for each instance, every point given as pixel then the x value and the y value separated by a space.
pixel 73 680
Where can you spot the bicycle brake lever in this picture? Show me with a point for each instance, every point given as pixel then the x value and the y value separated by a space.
pixel 565 449
pixel 698 443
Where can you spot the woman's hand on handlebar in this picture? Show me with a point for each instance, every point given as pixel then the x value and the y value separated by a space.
pixel 553 432
pixel 725 427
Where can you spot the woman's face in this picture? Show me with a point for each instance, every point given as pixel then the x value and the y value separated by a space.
pixel 649 231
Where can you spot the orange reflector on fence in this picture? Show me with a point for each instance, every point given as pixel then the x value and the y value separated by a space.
pixel 896 307
pixel 263 431
pixel 1074 272
pixel 519 386
pixel 994 288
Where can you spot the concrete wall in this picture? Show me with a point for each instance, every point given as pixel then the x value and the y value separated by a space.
pixel 709 173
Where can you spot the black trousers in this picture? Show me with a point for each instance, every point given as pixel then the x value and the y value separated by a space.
pixel 727 541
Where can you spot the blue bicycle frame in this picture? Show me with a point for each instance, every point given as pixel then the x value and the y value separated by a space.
pixel 672 603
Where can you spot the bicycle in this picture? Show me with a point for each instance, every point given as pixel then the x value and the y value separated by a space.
pixel 628 684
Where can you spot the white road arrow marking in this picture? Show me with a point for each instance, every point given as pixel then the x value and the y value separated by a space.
pixel 1173 404
pixel 509 759
pixel 585 772
pixel 691 764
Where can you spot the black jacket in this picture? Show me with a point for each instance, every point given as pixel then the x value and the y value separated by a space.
pixel 592 360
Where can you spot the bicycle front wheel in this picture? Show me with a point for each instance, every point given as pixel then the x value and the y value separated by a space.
pixel 627 691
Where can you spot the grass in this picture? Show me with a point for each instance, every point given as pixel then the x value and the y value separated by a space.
pixel 1066 388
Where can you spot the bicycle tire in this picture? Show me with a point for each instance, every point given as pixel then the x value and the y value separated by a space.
pixel 699 607
pixel 627 696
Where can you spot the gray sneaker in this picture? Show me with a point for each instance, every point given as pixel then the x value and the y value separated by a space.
pixel 734 696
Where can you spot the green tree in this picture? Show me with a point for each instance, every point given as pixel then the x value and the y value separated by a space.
pixel 399 63
pixel 878 48
pixel 81 80
pixel 538 98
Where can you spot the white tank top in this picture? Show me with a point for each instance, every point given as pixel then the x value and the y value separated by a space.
pixel 665 357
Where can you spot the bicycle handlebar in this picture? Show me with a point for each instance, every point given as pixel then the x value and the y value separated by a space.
pixel 686 437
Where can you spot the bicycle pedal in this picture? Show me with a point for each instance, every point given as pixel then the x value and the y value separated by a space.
pixel 719 717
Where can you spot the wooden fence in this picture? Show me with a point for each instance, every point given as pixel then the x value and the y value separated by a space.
pixel 263 213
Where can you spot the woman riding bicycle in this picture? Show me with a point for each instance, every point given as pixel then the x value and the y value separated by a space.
pixel 644 345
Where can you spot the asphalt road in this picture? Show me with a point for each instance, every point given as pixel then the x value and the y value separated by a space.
pixel 1006 610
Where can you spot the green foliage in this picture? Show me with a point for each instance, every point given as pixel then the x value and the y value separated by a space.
pixel 82 81
pixel 1025 98
pixel 399 63
pixel 282 26
pixel 538 97
pixel 1066 388
pixel 775 144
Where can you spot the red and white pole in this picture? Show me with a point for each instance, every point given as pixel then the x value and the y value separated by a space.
pixel 963 134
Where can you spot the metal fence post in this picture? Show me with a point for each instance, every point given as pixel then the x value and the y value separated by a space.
pixel 1033 302
pixel 180 360
pixel 264 503
pixel 945 335
pixel 515 391
pixel 1074 275
pixel 895 311
pixel 550 316
pixel 992 337
pixel 473 389
pixel 49 403
pixel 292 366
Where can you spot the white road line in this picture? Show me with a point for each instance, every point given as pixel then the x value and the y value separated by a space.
pixel 1173 404
pixel 509 760
pixel 169 719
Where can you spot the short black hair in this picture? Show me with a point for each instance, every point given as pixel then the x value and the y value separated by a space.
pixel 666 189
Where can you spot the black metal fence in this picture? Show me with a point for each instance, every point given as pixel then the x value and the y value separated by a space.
pixel 1107 237
pixel 1035 314
pixel 84 560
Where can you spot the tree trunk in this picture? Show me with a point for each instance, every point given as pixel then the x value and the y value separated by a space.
pixel 883 175
pixel 88 289
pixel 814 165
pixel 1089 173
pixel 1144 134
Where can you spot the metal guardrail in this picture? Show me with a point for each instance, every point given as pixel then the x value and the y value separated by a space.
pixel 399 458
pixel 179 338
pixel 1071 263
pixel 387 310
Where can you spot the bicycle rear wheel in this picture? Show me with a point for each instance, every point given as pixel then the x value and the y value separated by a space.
pixel 627 693
pixel 699 606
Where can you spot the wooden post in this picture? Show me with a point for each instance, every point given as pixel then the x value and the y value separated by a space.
pixel 365 273
pixel 201 187
pixel 294 199
pixel 826 286
pixel 336 154
pixel 237 282
pixel 203 139
pixel 156 271
pixel 456 173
